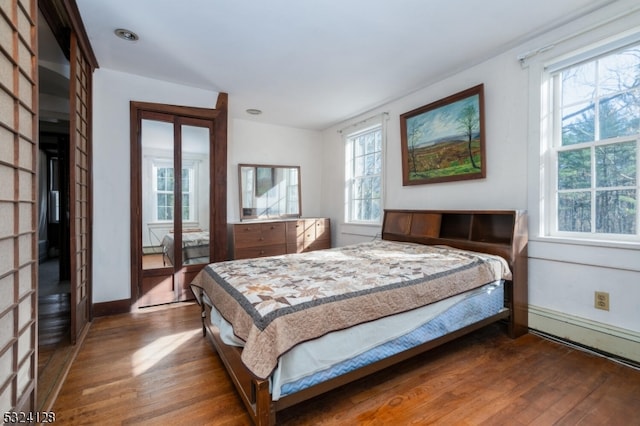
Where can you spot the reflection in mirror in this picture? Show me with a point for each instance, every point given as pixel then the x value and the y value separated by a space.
pixel 269 191
pixel 158 195
pixel 195 195
pixel 157 190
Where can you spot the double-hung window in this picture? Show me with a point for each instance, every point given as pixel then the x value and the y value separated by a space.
pixel 595 141
pixel 363 172
pixel 163 185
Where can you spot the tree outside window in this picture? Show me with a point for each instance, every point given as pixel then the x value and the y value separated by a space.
pixel 597 146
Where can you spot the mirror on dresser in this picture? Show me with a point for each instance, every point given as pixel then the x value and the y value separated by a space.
pixel 269 191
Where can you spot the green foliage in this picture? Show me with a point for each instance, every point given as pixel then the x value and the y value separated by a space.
pixel 600 103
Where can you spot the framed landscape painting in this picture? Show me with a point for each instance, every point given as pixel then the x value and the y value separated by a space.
pixel 444 140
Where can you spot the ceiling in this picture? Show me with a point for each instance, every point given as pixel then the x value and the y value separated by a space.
pixel 312 64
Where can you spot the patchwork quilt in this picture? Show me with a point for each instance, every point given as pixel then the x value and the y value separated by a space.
pixel 195 244
pixel 275 303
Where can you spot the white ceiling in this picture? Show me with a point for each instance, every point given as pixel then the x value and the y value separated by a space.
pixel 311 64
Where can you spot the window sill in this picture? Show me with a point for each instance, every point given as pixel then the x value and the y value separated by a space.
pixel 629 245
pixel 605 254
pixel 362 229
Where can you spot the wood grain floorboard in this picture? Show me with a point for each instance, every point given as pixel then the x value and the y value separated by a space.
pixel 54 346
pixel 154 367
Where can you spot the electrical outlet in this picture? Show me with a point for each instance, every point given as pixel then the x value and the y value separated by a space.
pixel 601 300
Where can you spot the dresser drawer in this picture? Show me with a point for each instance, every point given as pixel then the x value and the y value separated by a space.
pixel 258 234
pixel 295 235
pixel 259 239
pixel 251 252
pixel 323 229
pixel 273 233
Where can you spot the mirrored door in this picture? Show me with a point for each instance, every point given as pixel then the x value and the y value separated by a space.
pixel 172 223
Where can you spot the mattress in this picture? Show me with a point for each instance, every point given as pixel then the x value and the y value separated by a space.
pixel 195 247
pixel 342 351
pixel 277 303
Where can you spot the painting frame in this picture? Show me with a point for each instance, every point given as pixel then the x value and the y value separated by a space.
pixel 445 140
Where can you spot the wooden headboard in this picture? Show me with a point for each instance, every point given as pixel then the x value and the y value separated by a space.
pixel 500 232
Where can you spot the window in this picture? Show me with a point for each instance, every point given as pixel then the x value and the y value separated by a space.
pixel 595 145
pixel 364 151
pixel 163 182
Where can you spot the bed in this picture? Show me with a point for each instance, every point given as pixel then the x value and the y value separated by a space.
pixel 433 276
pixel 195 247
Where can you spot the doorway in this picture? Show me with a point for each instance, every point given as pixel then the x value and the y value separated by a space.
pixel 53 243
pixel 54 296
pixel 178 195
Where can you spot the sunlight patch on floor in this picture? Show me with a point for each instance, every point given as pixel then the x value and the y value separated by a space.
pixel 148 356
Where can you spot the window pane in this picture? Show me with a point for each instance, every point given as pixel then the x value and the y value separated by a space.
pixel 165 179
pixel 368 188
pixel 376 187
pixel 376 209
pixel 574 169
pixel 357 209
pixel 366 210
pixel 185 180
pixel 370 165
pixel 359 146
pixel 619 115
pixel 616 165
pixel 162 200
pixel 616 212
pixel 162 213
pixel 574 212
pixel 357 188
pixel 358 166
pixel 185 207
pixel 620 71
pixel 579 84
pixel 161 179
pixel 370 141
pixel 578 124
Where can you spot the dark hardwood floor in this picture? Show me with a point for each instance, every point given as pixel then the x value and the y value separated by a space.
pixel 54 317
pixel 54 347
pixel 154 367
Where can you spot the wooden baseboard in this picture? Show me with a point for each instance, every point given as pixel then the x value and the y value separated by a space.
pixel 112 308
pixel 601 337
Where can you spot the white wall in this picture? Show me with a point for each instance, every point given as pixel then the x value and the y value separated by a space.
pixel 505 186
pixel 255 143
pixel 563 277
pixel 112 92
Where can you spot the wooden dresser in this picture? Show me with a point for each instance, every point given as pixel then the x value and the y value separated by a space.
pixel 274 237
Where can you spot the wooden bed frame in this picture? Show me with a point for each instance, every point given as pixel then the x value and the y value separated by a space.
pixel 502 233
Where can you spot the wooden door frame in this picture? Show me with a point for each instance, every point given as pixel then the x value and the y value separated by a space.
pixel 217 186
